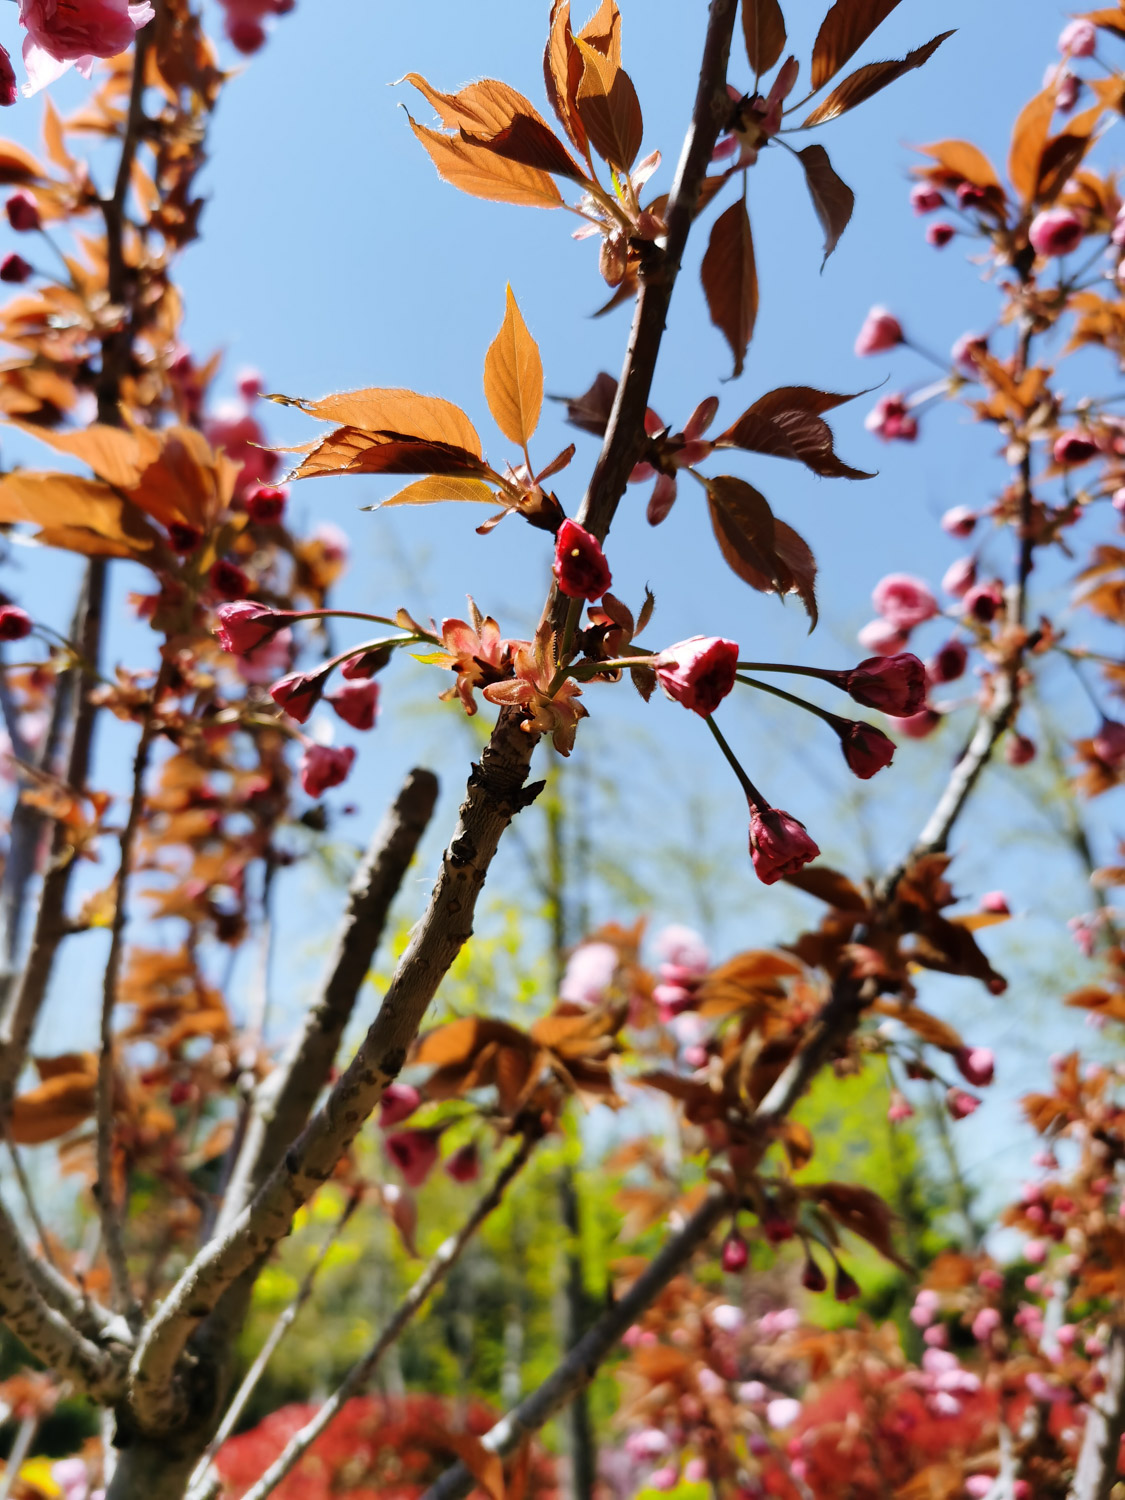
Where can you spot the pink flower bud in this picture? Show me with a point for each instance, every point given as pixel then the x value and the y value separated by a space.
pixel 904 601
pixel 881 637
pixel 1019 750
pixel 356 703
pixel 1035 1251
pixel 899 1108
pixel 881 331
pixel 985 1324
pixel 699 672
pixel 867 750
pixel 265 503
pixel 936 1336
pixel 1067 1335
pixel 779 844
pixel 959 520
pixel 244 625
pixel 23 212
pixel 14 268
pixel 893 684
pixel 324 766
pixel 398 1103
pixel 782 1412
pixel 464 1164
pixel 925 198
pixel 1109 743
pixel 1055 231
pixel 939 235
pixel 298 693
pixel 695 1470
pixel 1074 447
pixel 983 601
pixel 734 1253
pixel 580 565
pixel 959 577
pixel 15 623
pixel 1067 92
pixel 978 1485
pixel 964 356
pixel 1078 39
pixel 949 663
pixel 976 1065
pixel 890 419
pixel 918 726
pixel 959 1104
pixel 995 902
pixel 414 1153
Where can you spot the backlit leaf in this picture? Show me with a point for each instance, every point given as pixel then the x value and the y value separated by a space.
pixel 832 198
pixel 350 450
pixel 562 73
pixel 1029 136
pixel 440 487
pixel 865 82
pixel 533 143
pixel 744 526
pixel 1063 155
pixel 861 1211
pixel 17 164
pixel 70 509
pixel 786 423
pixel 393 410
pixel 730 280
pixel 483 108
pixel 590 411
pixel 964 160
pixel 842 32
pixel 609 109
pixel 603 32
pixel 513 377
pixel 481 173
pixel 763 26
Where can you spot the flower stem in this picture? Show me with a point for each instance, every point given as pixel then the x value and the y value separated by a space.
pixel 752 793
pixel 765 687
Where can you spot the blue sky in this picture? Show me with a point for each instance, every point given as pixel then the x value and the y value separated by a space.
pixel 333 258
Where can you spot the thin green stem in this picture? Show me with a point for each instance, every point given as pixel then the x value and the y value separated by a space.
pixel 765 687
pixel 752 792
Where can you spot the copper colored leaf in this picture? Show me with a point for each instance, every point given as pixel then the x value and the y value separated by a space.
pixel 800 564
pixel 865 82
pixel 82 515
pixel 763 26
pixel 54 1108
pixel 1063 155
pixel 349 450
pixel 832 198
pixel 513 377
pixel 440 487
pixel 609 109
pixel 730 280
pixel 861 1211
pixel 1029 136
pixel 17 164
pixel 937 1032
pixel 963 159
pixel 744 525
pixel 457 1043
pixel 603 32
pixel 842 32
pixel 798 1142
pixel 393 410
pixel 591 410
pixel 562 73
pixel 786 423
pixel 531 141
pixel 483 108
pixel 830 886
pixel 481 173
pixel 486 1467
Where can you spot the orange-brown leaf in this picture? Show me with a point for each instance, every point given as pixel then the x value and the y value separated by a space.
pixel 513 377
pixel 54 1108
pixel 730 280
pixel 843 31
pixel 389 409
pixel 864 82
pixel 830 886
pixel 1029 136
pixel 459 1041
pixel 744 527
pixel 481 173
pixel 763 27
pixel 73 510
pixel 861 1211
pixel 532 142
pixel 832 198
pixel 963 159
pixel 481 108
pixel 609 109
pixel 349 450
pixel 562 73
pixel 786 423
pixel 439 487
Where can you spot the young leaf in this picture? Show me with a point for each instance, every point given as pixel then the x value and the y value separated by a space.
pixel 842 32
pixel 562 73
pixel 482 109
pixel 832 198
pixel 961 159
pixel 590 411
pixel 1029 136
pixel 860 1210
pixel 864 82
pixel 744 527
pixel 730 280
pixel 349 450
pixel 481 173
pixel 391 409
pixel 1063 155
pixel 531 142
pixel 440 487
pixel 513 377
pixel 763 26
pixel 797 556
pixel 78 515
pixel 786 423
pixel 609 109
pixel 603 32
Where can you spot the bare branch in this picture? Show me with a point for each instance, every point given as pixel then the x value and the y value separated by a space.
pixel 360 1373
pixel 1097 1473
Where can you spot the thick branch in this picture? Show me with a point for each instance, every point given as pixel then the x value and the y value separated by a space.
pixel 1097 1472
pixel 284 1099
pixel 361 1372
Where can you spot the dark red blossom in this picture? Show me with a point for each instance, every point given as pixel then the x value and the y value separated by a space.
pixel 324 766
pixel 867 750
pixel 698 672
pixel 779 844
pixel 893 684
pixel 357 703
pixel 229 580
pixel 298 693
pixel 580 565
pixel 15 623
pixel 244 625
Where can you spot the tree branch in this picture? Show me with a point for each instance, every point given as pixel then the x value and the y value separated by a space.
pixel 1096 1473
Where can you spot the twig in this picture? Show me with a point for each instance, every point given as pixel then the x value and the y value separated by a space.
pixel 360 1373
pixel 19 1451
pixel 277 1333
pixel 27 1195
pixel 1096 1473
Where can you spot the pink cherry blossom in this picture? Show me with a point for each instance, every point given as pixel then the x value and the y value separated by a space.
pixel 881 331
pixel 65 32
pixel 1078 39
pixel 890 418
pixel 881 637
pixel 903 600
pixel 1055 231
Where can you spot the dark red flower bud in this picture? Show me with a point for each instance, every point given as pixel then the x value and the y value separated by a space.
pixel 398 1103
pixel 894 684
pixel 9 93
pixel 246 33
pixel 360 668
pixel 229 580
pixel 959 1104
pixel 866 749
pixel 814 1279
pixel 970 196
pixel 734 1254
pixel 265 504
pixel 779 844
pixel 976 1065
pixel 298 693
pixel 183 538
pixel 1019 750
pixel 984 601
pixel 324 766
pixel 23 212
pixel 15 623
pixel 776 1228
pixel 1074 447
pixel 356 703
pixel 949 663
pixel 580 565
pixel 847 1287
pixel 244 625
pixel 464 1164
pixel 414 1153
pixel 14 268
pixel 939 234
